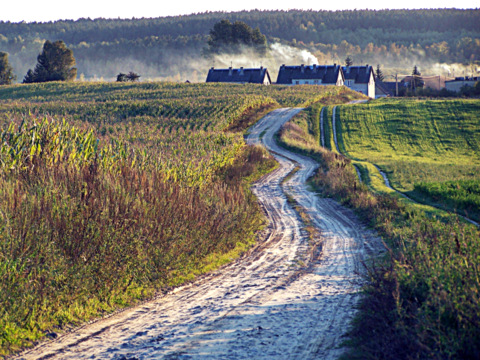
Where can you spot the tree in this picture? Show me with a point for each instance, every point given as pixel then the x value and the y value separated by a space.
pixel 6 71
pixel 29 78
pixel 55 63
pixel 131 76
pixel 379 74
pixel 226 37
pixel 348 61
pixel 122 77
pixel 417 81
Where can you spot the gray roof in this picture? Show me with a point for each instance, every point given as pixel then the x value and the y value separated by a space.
pixel 327 73
pixel 388 87
pixel 241 75
pixel 360 74
pixel 475 78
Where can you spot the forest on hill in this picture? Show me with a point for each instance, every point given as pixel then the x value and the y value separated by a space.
pixel 173 47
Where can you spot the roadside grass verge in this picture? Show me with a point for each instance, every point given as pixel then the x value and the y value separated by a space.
pixel 421 299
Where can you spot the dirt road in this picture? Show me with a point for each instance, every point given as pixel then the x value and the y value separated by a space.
pixel 279 301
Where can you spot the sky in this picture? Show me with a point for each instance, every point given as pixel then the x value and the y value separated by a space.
pixel 51 10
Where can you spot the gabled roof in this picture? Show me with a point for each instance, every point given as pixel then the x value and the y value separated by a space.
pixel 387 87
pixel 360 74
pixel 241 75
pixel 327 73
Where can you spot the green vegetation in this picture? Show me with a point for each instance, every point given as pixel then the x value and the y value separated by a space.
pixel 461 195
pixel 414 141
pixel 111 192
pixel 55 63
pixel 421 299
pixel 6 71
pixel 226 37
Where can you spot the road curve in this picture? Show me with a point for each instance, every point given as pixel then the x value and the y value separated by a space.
pixel 278 301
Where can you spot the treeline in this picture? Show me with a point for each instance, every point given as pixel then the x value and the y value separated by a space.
pixel 317 26
pixel 443 35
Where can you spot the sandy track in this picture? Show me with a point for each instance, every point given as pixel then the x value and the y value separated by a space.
pixel 279 301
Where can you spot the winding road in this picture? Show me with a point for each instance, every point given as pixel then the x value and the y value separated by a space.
pixel 284 299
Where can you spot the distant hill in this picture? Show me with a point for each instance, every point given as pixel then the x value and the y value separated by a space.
pixel 170 47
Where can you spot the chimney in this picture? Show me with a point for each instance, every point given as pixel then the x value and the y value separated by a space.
pixel 230 71
pixel 302 68
pixel 241 71
pixel 314 68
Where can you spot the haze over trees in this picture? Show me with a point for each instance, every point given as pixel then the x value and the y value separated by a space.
pixel 160 47
pixel 55 63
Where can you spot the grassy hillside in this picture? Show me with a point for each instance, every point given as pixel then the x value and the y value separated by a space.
pixel 110 193
pixel 416 141
pixel 421 299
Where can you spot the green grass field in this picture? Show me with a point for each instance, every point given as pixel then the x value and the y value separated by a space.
pixel 415 141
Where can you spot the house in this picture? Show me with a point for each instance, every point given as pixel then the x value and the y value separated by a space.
pixel 311 75
pixel 240 76
pixel 360 79
pixel 385 88
pixel 459 82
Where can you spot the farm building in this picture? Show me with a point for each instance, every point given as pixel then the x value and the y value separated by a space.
pixel 459 82
pixel 385 88
pixel 360 79
pixel 311 75
pixel 240 76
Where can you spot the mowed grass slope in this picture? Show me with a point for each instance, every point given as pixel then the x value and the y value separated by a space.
pixel 416 141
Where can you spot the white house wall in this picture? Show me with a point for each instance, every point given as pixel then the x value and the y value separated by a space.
pixel 364 88
pixel 457 85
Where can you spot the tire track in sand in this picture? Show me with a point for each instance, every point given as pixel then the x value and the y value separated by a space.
pixel 276 302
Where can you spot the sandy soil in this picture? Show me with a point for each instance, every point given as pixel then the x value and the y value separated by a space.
pixel 284 299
